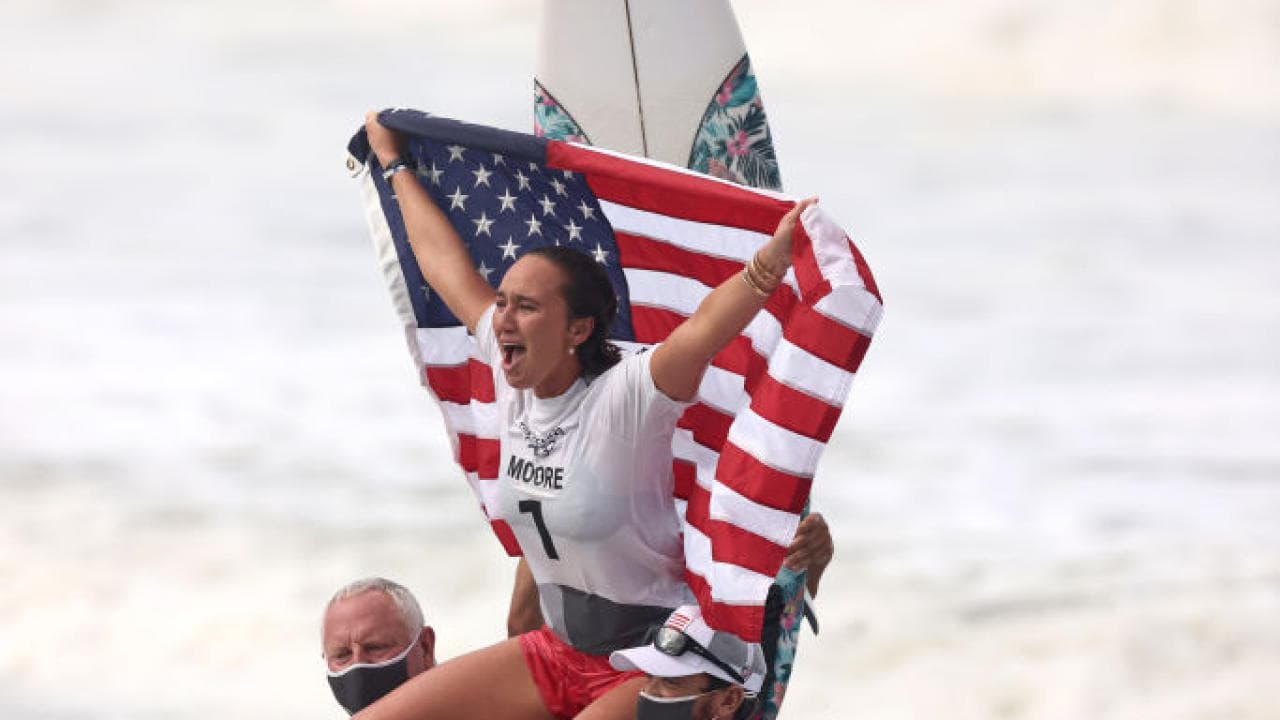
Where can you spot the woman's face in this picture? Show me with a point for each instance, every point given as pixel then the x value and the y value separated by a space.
pixel 533 329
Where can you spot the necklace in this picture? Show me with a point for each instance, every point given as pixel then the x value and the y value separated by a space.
pixel 541 445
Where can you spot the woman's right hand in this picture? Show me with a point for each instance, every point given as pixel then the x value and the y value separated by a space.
pixel 386 143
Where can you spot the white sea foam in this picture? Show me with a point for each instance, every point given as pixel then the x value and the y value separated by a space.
pixel 1054 489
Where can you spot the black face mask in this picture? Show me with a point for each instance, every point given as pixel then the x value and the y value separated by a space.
pixel 359 686
pixel 650 707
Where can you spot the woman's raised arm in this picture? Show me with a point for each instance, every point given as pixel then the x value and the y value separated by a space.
pixel 442 257
pixel 678 363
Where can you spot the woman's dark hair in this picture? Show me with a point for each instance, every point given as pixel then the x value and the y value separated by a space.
pixel 588 293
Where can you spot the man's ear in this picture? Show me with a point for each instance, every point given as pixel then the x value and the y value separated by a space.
pixel 427 639
pixel 727 702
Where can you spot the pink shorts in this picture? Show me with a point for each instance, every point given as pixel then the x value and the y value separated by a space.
pixel 568 680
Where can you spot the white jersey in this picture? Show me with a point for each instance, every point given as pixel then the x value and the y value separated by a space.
pixel 585 484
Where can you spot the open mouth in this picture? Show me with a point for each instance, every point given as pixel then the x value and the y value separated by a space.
pixel 511 353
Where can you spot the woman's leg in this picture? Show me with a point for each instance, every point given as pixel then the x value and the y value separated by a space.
pixel 489 683
pixel 617 704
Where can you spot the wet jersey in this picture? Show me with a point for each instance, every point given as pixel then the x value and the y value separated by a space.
pixel 585 483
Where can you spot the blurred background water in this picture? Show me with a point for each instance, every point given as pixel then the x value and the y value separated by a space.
pixel 1055 491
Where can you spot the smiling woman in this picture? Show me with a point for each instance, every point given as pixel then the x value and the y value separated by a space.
pixel 586 447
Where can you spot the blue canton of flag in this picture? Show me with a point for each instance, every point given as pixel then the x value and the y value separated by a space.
pixel 504 205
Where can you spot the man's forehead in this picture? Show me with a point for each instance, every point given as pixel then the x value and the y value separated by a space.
pixel 365 614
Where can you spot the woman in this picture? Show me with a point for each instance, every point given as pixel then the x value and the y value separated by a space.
pixel 586 461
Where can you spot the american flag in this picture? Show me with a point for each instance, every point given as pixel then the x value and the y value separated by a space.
pixel 746 451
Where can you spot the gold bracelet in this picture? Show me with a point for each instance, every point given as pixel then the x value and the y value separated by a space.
pixel 763 279
pixel 746 277
pixel 758 268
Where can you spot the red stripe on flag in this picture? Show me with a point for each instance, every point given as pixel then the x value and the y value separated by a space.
pixel 813 286
pixel 482 456
pixel 795 410
pixel 646 253
pixel 832 341
pixel 864 270
pixel 654 324
pixel 507 537
pixel 730 543
pixel 461 384
pixel 670 192
pixel 686 477
pixel 766 485
pixel 745 621
pixel 709 426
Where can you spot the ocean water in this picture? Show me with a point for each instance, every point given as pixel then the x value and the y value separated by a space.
pixel 1055 488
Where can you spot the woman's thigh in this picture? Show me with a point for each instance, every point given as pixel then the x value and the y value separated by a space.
pixel 490 683
pixel 617 704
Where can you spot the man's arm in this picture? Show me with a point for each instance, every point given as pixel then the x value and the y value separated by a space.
pixel 811 550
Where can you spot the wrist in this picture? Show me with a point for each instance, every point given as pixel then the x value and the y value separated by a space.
pixel 771 264
pixel 394 165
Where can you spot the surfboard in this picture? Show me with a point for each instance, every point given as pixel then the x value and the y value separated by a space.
pixel 670 80
pixel 666 79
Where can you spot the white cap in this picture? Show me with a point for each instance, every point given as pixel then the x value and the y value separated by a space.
pixel 745 658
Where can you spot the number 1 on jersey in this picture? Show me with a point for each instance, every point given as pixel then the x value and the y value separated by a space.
pixel 534 508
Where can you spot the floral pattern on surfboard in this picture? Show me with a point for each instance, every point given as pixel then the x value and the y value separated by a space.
pixel 733 140
pixel 551 120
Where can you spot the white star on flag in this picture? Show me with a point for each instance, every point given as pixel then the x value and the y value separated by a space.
pixel 455 152
pixel 575 232
pixel 483 224
pixel 548 207
pixel 482 176
pixel 508 201
pixel 433 174
pixel 458 200
pixel 535 225
pixel 522 181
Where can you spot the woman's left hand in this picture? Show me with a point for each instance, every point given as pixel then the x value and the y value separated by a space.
pixel 775 256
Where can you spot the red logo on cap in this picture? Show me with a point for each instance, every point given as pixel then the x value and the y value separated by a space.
pixel 679 621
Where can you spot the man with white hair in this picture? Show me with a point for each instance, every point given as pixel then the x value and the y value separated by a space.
pixel 373 638
pixel 695 672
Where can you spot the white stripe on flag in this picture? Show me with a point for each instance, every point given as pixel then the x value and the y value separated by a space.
pixel 830 248
pixel 654 288
pixel 444 346
pixel 795 367
pixel 775 446
pixel 475 418
pixel 778 526
pixel 853 307
pixel 723 390
pixel 385 248
pixel 706 238
pixel 664 290
pixel 729 583
pixel 704 458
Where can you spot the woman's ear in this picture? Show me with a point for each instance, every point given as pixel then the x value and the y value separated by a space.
pixel 580 329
